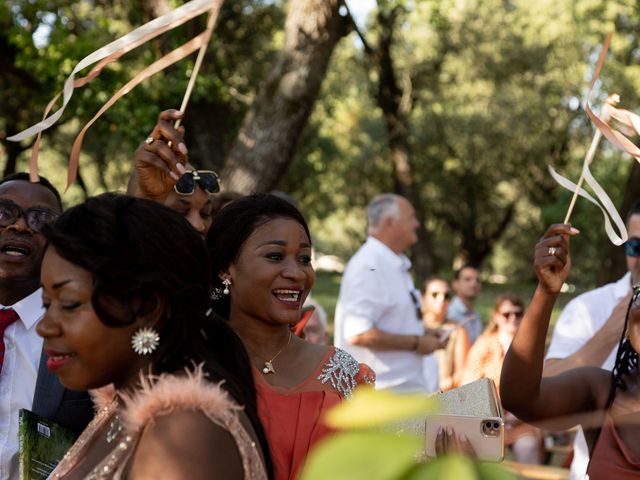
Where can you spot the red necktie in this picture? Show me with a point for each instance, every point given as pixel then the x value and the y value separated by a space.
pixel 7 317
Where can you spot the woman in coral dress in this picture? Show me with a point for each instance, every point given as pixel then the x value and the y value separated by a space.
pixel 260 250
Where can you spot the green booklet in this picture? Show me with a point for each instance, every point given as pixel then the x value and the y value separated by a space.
pixel 43 443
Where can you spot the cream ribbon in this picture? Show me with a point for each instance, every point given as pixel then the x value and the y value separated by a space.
pixel 111 52
pixel 631 122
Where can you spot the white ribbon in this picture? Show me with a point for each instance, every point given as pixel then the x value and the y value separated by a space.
pixel 609 211
pixel 120 46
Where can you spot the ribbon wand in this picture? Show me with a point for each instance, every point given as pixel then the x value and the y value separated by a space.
pixel 213 16
pixel 611 101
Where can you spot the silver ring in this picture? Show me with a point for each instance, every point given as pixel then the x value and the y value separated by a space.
pixel 149 140
pixel 552 251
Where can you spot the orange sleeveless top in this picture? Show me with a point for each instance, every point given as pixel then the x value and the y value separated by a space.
pixel 292 417
pixel 611 458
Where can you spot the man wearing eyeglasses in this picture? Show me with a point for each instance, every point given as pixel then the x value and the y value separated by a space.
pixel 25 382
pixel 590 326
pixel 378 315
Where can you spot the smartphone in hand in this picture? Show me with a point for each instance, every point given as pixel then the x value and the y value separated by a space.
pixel 486 434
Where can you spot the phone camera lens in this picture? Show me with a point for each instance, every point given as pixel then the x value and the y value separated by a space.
pixel 496 425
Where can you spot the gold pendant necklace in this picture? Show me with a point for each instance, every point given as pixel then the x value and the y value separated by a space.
pixel 268 365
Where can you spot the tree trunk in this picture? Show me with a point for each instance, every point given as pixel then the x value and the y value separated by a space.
pixel 269 135
pixel 395 108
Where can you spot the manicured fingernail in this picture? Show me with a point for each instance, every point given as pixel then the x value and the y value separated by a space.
pixel 183 148
pixel 574 230
pixel 181 168
pixel 440 431
pixel 449 431
pixel 174 176
pixel 463 438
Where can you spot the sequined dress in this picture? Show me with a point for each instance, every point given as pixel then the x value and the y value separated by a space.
pixel 292 417
pixel 158 396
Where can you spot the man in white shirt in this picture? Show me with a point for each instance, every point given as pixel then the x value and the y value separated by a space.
pixel 378 318
pixel 25 208
pixel 466 284
pixel 589 328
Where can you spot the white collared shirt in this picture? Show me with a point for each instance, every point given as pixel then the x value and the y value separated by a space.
pixel 22 351
pixel 577 324
pixel 376 292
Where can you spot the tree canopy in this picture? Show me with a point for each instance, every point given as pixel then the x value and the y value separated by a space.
pixel 459 105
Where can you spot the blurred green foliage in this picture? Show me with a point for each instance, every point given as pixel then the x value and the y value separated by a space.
pixel 495 86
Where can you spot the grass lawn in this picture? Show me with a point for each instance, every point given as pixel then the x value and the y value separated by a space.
pixel 327 287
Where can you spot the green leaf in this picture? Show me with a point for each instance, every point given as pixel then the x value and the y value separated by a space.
pixel 373 408
pixel 366 455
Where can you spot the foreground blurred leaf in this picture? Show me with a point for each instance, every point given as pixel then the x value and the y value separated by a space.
pixel 459 468
pixel 374 408
pixel 363 455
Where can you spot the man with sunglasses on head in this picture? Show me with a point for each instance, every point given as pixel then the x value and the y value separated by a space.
pixel 162 174
pixel 25 382
pixel 589 328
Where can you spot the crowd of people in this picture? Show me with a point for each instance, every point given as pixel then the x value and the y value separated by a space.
pixel 172 329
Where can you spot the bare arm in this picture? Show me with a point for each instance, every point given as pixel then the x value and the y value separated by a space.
pixel 460 353
pixel 185 444
pixel 376 339
pixel 523 391
pixel 597 349
pixel 157 165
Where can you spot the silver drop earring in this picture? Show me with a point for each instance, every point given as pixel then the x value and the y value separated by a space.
pixel 145 340
pixel 226 282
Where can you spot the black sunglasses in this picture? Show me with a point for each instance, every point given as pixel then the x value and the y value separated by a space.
pixel 36 218
pixel 632 247
pixel 636 296
pixel 207 179
pixel 415 298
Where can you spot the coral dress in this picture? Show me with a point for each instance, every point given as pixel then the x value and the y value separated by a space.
pixel 611 457
pixel 292 417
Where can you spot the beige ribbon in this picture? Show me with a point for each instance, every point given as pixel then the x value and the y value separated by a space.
pixel 111 52
pixel 611 216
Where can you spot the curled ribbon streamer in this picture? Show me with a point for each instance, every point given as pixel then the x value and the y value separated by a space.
pixel 603 201
pixel 117 48
pixel 616 239
pixel 200 42
pixel 159 65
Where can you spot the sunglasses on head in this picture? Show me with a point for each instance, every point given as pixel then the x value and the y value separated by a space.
pixel 36 218
pixel 632 247
pixel 207 179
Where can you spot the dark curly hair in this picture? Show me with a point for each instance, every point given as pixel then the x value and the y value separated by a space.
pixel 233 225
pixel 141 253
pixel 626 357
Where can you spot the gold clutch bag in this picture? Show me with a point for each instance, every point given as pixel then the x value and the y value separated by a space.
pixel 477 399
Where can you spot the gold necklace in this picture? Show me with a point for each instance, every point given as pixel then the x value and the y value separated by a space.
pixel 268 365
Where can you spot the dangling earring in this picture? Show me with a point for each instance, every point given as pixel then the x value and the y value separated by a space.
pixel 226 282
pixel 145 340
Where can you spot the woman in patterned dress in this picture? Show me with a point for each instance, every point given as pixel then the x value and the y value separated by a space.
pixel 260 249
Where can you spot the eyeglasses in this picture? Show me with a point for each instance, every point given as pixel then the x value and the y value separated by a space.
pixel 446 295
pixel 36 218
pixel 207 179
pixel 515 314
pixel 632 247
